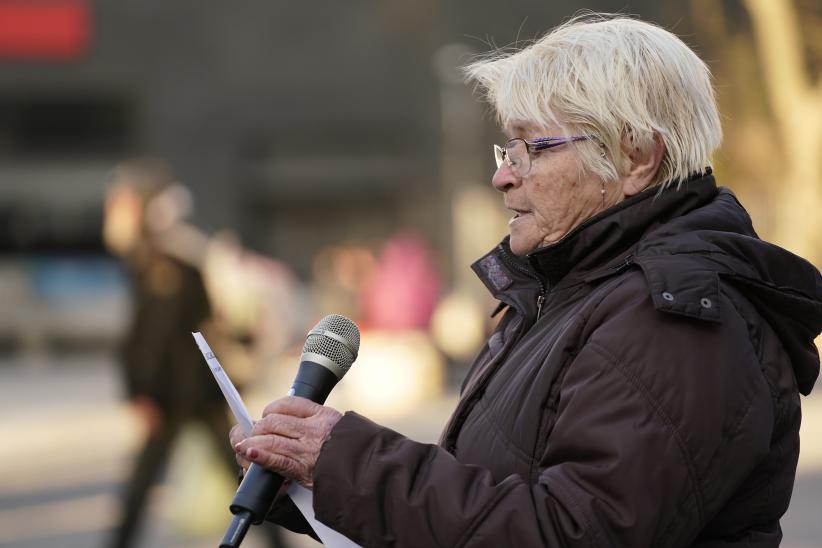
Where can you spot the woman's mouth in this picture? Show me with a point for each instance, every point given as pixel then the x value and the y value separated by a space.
pixel 518 214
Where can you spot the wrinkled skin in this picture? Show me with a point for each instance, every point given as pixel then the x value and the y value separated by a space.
pixel 288 438
pixel 557 194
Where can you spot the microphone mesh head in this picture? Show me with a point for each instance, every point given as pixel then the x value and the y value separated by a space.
pixel 335 337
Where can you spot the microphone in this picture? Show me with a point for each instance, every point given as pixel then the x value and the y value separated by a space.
pixel 329 350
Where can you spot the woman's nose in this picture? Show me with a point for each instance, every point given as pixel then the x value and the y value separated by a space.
pixel 504 178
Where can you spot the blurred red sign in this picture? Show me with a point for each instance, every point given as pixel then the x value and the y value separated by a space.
pixel 44 29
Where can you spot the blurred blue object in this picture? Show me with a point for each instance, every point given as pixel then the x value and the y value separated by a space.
pixel 79 277
pixel 55 302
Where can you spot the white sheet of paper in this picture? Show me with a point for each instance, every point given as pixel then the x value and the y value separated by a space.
pixel 302 497
pixel 235 402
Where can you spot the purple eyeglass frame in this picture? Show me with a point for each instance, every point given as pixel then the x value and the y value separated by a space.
pixel 540 143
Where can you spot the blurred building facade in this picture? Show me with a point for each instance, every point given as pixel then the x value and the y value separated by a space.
pixel 297 126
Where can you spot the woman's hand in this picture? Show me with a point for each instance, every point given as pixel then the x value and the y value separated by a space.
pixel 288 439
pixel 235 437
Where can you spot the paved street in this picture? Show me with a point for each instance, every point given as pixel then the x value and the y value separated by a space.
pixel 68 440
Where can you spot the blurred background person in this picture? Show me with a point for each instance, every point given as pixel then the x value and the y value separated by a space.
pixel 165 376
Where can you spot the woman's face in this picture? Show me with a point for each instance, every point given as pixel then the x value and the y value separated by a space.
pixel 554 197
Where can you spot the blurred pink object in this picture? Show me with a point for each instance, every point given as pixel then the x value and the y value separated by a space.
pixel 402 292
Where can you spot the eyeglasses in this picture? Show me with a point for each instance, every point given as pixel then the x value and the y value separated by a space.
pixel 517 152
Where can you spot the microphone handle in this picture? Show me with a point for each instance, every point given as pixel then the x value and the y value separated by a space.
pixel 259 487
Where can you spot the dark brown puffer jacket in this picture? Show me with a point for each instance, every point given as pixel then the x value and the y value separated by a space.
pixel 653 400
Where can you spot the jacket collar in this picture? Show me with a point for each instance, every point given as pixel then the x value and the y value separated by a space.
pixel 510 279
pixel 594 243
pixel 684 240
pixel 612 232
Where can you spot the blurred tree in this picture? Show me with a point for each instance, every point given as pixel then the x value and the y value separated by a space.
pixel 796 101
pixel 772 105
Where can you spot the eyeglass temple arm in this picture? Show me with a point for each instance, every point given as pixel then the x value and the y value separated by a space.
pixel 550 142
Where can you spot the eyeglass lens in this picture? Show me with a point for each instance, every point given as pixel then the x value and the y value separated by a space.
pixel 517 155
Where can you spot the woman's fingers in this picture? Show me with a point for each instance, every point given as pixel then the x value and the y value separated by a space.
pixel 242 462
pixel 286 456
pixel 282 425
pixel 292 405
pixel 289 437
pixel 235 437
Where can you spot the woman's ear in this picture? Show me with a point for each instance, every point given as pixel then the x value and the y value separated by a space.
pixel 642 167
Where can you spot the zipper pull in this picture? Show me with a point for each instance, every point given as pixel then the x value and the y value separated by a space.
pixel 628 261
pixel 540 300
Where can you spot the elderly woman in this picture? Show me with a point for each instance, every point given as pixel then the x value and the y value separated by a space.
pixel 642 386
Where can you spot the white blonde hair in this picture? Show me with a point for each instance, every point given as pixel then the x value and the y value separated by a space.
pixel 619 79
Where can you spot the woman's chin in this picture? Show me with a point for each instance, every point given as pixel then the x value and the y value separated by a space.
pixel 520 246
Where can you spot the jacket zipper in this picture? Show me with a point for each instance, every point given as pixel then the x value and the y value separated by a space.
pixel 522 269
pixel 628 261
pixel 468 399
pixel 462 410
